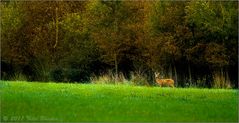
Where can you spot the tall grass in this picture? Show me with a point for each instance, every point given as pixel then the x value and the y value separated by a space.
pixel 221 80
pixel 18 76
pixel 42 70
pixel 110 78
pixel 139 79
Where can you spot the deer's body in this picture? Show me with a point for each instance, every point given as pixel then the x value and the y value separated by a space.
pixel 164 82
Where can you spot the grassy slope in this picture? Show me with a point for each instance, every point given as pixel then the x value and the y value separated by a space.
pixel 22 101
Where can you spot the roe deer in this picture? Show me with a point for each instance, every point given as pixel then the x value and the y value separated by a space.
pixel 163 82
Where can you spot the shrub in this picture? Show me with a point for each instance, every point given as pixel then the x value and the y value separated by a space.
pixel 109 78
pixel 77 75
pixel 57 75
pixel 139 79
pixel 18 77
pixel 103 79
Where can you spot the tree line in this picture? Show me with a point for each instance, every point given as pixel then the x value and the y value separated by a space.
pixel 193 42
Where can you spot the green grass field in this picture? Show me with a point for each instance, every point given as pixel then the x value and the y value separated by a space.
pixel 28 101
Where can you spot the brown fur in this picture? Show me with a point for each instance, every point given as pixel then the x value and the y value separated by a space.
pixel 164 82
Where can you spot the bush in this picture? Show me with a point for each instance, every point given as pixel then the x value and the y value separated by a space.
pixel 77 75
pixel 57 75
pixel 7 70
pixel 103 79
pixel 110 78
pixel 18 77
pixel 138 79
pixel 70 75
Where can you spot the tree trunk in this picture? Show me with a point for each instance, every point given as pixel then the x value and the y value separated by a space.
pixel 176 77
pixel 190 74
pixel 116 67
pixel 222 79
pixel 228 79
pixel 170 71
pixel 56 28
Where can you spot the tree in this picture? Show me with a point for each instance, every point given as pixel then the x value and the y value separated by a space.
pixel 110 28
pixel 12 53
pixel 162 24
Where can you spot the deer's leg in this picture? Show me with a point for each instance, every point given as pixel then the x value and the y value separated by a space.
pixel 172 86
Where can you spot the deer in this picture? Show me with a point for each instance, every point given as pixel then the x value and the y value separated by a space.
pixel 163 82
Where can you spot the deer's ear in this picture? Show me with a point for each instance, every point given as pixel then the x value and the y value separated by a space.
pixel 156 74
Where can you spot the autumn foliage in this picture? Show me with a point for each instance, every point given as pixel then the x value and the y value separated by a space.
pixel 192 42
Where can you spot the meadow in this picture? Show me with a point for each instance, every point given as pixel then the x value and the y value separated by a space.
pixel 61 102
